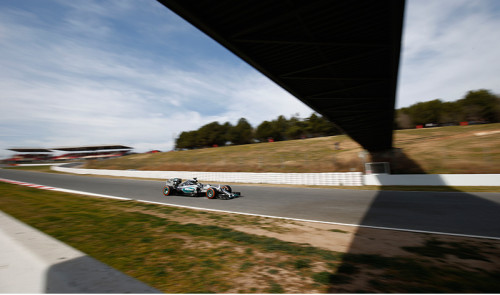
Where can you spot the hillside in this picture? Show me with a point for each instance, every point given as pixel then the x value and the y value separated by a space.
pixel 454 149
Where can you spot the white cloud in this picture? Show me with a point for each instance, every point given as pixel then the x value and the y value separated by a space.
pixel 61 89
pixel 449 49
pixel 75 74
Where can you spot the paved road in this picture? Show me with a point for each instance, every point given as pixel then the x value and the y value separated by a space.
pixel 475 214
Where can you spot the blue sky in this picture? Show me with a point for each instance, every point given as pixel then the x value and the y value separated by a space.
pixel 85 72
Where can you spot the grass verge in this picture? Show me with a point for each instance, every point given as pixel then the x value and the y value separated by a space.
pixel 186 251
pixel 446 150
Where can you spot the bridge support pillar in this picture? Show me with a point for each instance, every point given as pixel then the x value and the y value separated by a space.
pixel 399 161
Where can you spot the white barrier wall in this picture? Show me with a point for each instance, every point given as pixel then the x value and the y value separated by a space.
pixel 434 179
pixel 33 262
pixel 40 164
pixel 328 178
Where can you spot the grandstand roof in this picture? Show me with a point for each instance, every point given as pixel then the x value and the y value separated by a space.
pixel 30 150
pixel 92 148
pixel 340 58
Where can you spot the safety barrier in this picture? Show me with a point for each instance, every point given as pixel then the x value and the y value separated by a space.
pixel 33 262
pixel 434 179
pixel 326 178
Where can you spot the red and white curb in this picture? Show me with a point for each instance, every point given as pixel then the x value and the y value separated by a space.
pixel 57 189
pixel 27 184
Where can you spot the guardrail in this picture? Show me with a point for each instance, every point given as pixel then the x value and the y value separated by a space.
pixel 433 179
pixel 33 262
pixel 327 178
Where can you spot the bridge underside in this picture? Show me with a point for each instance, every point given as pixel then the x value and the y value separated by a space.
pixel 339 57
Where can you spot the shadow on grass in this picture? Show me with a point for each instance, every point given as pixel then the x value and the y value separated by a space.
pixel 87 275
pixel 430 262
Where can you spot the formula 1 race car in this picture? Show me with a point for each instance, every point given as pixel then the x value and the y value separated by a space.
pixel 192 187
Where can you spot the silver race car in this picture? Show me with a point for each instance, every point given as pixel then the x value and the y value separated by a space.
pixel 192 187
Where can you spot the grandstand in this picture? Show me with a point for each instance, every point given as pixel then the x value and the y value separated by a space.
pixel 29 155
pixel 40 155
pixel 92 152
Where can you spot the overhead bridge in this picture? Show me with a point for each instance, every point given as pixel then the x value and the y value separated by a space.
pixel 339 57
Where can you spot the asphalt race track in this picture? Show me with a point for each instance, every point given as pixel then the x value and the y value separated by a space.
pixel 475 214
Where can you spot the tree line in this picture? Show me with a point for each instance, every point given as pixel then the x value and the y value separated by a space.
pixel 476 106
pixel 216 134
pixel 481 106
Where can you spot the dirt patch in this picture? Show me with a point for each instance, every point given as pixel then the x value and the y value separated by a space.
pixel 487 133
pixel 347 239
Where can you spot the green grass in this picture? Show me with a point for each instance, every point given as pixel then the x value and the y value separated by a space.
pixel 338 231
pixel 42 168
pixel 404 275
pixel 176 251
pixel 302 263
pixel 171 256
pixel 275 288
pixel 324 277
pixel 438 249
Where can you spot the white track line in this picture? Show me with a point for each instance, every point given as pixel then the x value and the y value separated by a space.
pixel 242 213
pixel 57 189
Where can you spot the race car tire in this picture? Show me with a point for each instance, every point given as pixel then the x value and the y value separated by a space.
pixel 167 190
pixel 211 193
pixel 227 188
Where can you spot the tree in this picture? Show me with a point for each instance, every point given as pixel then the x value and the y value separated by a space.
pixel 275 129
pixel 296 128
pixel 481 105
pixel 425 112
pixel 452 112
pixel 280 126
pixel 477 105
pixel 187 140
pixel 264 131
pixel 213 134
pixel 242 133
pixel 319 126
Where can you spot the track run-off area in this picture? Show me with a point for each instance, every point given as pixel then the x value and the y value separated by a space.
pixel 451 213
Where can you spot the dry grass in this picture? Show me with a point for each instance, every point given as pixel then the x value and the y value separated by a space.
pixel 456 149
pixel 315 154
pixel 188 251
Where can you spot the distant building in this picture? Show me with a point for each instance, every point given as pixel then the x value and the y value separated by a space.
pixel 40 155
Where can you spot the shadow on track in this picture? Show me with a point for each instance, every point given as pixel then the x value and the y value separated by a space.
pixel 394 261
